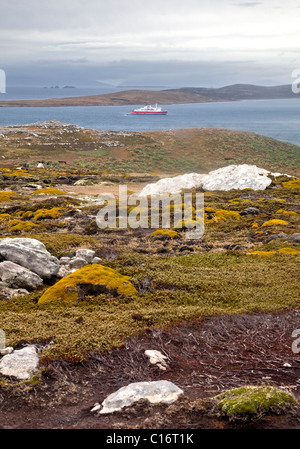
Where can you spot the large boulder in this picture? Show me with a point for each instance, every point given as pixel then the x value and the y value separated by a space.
pixel 15 276
pixel 225 178
pixel 156 392
pixel 30 254
pixel 174 185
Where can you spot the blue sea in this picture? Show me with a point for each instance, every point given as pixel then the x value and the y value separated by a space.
pixel 279 119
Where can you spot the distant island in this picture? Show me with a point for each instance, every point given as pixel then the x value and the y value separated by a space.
pixel 57 87
pixel 234 92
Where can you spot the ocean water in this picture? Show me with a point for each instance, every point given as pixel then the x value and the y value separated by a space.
pixel 279 119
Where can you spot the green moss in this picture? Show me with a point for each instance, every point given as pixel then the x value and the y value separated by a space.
pixel 66 292
pixel 253 400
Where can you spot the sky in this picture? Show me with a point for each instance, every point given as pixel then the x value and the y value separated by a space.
pixel 162 43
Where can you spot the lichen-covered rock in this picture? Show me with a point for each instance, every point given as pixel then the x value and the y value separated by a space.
pixel 89 280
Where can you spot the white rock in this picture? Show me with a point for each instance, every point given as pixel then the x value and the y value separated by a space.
pixel 64 271
pixel 157 358
pixel 225 178
pixel 22 363
pixel 173 185
pixel 15 276
pixel 30 254
pixel 161 391
pixel 40 165
pixel 64 260
pixel 8 293
pixel 96 407
pixel 96 260
pixel 237 177
pixel 29 243
pixel 287 365
pixel 76 263
pixel 86 254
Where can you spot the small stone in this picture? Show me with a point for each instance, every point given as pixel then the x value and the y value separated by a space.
pixel 7 350
pixel 96 260
pixel 287 365
pixel 63 271
pixel 250 211
pixel 294 238
pixel 77 263
pixel 157 358
pixel 96 407
pixel 64 260
pixel 86 254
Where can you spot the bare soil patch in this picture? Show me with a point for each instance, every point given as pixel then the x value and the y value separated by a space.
pixel 206 356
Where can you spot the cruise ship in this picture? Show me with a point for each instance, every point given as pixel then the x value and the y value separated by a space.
pixel 153 110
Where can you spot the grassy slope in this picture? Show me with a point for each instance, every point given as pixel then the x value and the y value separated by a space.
pixel 174 151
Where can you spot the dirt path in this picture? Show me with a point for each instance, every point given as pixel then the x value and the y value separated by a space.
pixel 205 357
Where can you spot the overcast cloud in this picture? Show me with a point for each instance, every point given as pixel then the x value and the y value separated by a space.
pixel 137 42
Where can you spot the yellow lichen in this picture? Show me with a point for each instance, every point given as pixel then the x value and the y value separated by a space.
pixel 19 225
pixel 289 251
pixel 7 196
pixel 224 215
pixel 188 223
pixel 274 222
pixel 24 214
pixel 65 290
pixel 167 233
pixel 49 191
pixel 5 217
pixel 42 214
pixel 286 212
pixel 262 253
pixel 292 184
